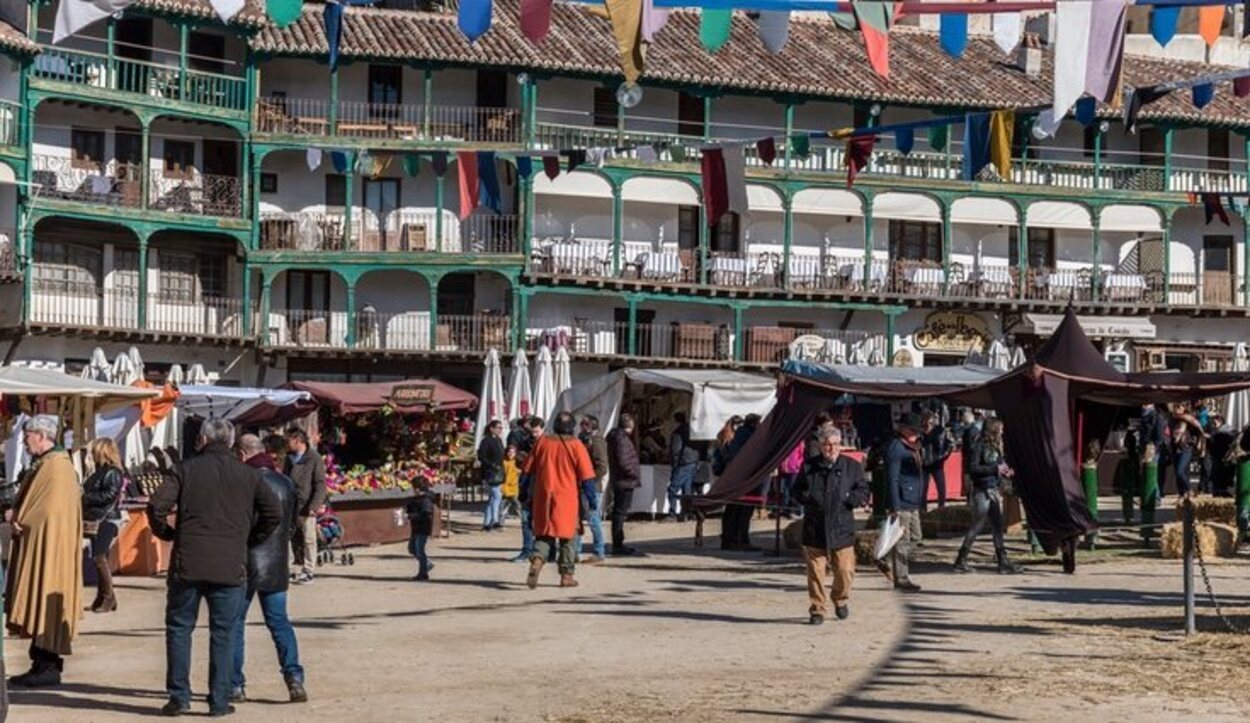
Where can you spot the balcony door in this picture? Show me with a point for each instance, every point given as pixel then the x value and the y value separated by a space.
pixel 221 168
pixel 308 305
pixel 1219 283
pixel 382 231
pixel 386 91
pixel 646 322
pixel 1041 248
pixel 917 241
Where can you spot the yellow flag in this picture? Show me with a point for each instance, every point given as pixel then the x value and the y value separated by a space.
pixel 1002 127
pixel 626 17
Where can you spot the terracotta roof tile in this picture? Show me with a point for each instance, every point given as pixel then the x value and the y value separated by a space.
pixel 252 15
pixel 13 41
pixel 819 60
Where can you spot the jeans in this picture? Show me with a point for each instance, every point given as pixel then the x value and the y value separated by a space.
pixel 494 498
pixel 594 503
pixel 1181 470
pixel 182 607
pixel 622 499
pixel 416 548
pixel 509 506
pixel 681 483
pixel 938 473
pixel 986 505
pixel 273 607
pixel 563 549
pixel 902 550
pixel 786 482
pixel 527 531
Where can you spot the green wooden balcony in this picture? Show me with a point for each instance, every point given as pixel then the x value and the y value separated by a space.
pixel 387 121
pixel 93 72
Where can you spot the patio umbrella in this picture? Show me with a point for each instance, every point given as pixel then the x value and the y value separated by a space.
pixel 137 360
pixel 856 354
pixel 98 368
pixel 166 433
pixel 520 403
pixel 544 384
pixel 1239 402
pixel 197 376
pixel 491 402
pixel 997 356
pixel 876 358
pixel 563 371
pixel 1017 358
pixel 133 448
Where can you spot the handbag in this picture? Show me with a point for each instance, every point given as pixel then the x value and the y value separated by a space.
pixel 90 528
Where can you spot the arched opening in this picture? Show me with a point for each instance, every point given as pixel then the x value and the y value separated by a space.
pixel 393 310
pixel 84 273
pixel 195 168
pixel 573 225
pixel 90 154
pixel 1206 261
pixel 474 311
pixel 983 247
pixel 1060 255
pixel 907 230
pixel 827 250
pixel 307 308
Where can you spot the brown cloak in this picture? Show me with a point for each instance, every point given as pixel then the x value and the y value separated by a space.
pixel 45 568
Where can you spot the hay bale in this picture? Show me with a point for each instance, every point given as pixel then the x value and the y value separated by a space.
pixel 1172 544
pixel 1225 538
pixel 792 535
pixel 1215 509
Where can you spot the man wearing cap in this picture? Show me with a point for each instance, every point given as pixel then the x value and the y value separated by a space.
pixel 904 482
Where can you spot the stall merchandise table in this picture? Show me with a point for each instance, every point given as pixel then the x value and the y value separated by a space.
pixel 139 553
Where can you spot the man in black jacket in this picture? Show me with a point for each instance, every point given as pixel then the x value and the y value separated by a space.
pixel 904 482
pixel 625 476
pixel 222 509
pixel 685 463
pixel 830 487
pixel 308 471
pixel 268 577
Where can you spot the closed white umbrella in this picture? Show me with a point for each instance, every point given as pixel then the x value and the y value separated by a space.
pixel 137 360
pixel 1017 358
pixel 133 448
pixel 563 371
pixel 544 384
pixel 520 401
pixel 997 356
pixel 1239 402
pixel 876 358
pixel 98 369
pixel 197 376
pixel 492 404
pixel 856 355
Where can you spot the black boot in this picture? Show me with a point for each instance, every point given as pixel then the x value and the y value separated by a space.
pixel 961 560
pixel 1005 566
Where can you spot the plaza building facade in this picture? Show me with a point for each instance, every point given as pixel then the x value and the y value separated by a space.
pixel 215 192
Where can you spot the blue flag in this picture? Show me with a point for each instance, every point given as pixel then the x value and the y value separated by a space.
pixel 953 33
pixel 1085 109
pixel 1203 94
pixel 334 31
pixel 488 181
pixel 1163 19
pixel 976 144
pixel 904 139
pixel 524 167
pixel 474 18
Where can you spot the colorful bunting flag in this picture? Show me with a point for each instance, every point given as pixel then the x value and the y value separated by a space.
pixel 1241 87
pixel 339 160
pixel 1140 98
pixel 576 157
pixel 488 177
pixel 524 168
pixel 1213 208
pixel 474 18
pixel 1089 47
pixel 774 28
pixel 714 28
pixel 1203 94
pixel 535 19
pixel 715 191
pixel 766 149
pixel 858 151
pixel 953 33
pixel 283 12
pixel 736 179
pixel 1109 22
pixel 1002 132
pixel 411 164
pixel 1163 19
pixel 976 144
pixel 677 152
pixel 874 18
pixel 1008 29
pixel 1210 22
pixel 469 185
pixel 938 135
pixel 800 145
pixel 313 158
pixel 333 17
pixel 1086 111
pixel 653 20
pixel 626 17
pixel 904 140
pixel 551 167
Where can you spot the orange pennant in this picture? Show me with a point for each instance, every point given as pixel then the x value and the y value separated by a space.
pixel 1211 22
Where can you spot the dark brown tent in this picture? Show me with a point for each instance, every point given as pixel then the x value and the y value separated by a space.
pixel 1066 394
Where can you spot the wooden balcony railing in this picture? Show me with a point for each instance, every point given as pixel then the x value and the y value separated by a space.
pixel 165 82
pixel 387 121
pixel 403 230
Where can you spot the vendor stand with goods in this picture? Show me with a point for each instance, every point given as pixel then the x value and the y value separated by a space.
pixel 707 398
pixel 377 439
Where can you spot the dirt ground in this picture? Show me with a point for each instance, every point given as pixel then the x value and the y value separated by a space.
pixel 690 634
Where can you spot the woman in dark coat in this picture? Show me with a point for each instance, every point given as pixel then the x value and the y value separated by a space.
pixel 829 488
pixel 100 495
pixel 988 468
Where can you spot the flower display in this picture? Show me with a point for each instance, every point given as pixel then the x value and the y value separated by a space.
pixel 408 448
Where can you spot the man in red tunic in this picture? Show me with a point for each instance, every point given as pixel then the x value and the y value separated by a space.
pixel 559 464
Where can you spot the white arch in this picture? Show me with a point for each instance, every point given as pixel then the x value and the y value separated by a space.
pixel 763 198
pixel 1125 217
pixel 650 189
pixel 574 183
pixel 831 201
pixel 906 207
pixel 1058 214
pixel 986 211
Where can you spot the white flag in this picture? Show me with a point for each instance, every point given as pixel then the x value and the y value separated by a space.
pixel 1072 23
pixel 74 15
pixel 774 28
pixel 736 179
pixel 1007 30
pixel 227 9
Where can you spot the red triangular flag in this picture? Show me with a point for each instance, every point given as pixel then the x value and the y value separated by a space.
pixel 1241 86
pixel 551 166
pixel 1213 207
pixel 535 19
pixel 766 148
pixel 858 151
pixel 715 188
pixel 467 160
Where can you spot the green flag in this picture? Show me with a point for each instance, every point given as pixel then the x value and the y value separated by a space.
pixel 800 145
pixel 937 137
pixel 412 164
pixel 714 27
pixel 678 153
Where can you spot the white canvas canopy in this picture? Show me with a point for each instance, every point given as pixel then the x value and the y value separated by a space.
pixel 716 395
pixel 232 403
pixel 30 381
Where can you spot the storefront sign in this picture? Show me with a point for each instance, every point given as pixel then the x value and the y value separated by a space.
pixel 903 358
pixel 1097 327
pixel 952 331
pixel 411 395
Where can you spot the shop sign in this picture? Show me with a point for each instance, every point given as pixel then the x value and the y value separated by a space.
pixel 903 358
pixel 952 331
pixel 411 395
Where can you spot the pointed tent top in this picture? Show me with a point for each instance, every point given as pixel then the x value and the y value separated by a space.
pixel 1069 352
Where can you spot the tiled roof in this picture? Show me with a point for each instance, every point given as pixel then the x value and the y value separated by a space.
pixel 252 15
pixel 13 41
pixel 819 60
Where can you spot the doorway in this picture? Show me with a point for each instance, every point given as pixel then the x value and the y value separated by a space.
pixel 221 170
pixel 1219 283
pixel 646 321
pixel 308 306
pixel 381 200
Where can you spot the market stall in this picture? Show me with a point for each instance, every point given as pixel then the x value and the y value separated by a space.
pixel 378 438
pixel 707 397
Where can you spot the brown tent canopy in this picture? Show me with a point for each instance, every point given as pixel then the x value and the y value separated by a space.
pixel 410 395
pixel 1066 394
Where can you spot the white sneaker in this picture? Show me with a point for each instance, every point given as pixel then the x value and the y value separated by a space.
pixel 304 578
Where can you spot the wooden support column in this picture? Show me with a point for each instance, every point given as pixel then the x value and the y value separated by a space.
pixel 1167 260
pixel 184 34
pixel 520 317
pixel 618 225
pixel 1095 253
pixel 350 336
pixel 334 102
pixel 439 182
pixel 787 236
pixel 527 216
pixel 707 118
pixel 349 193
pixel 889 340
pixel 246 293
pixel 1022 255
pixel 266 287
pixel 1167 162
pixel 632 307
pixel 1245 261
pixel 111 46
pixel 145 157
pixel 705 236
pixel 432 281
pixel 868 243
pixel 946 248
pixel 739 333
pixel 427 103
pixel 142 315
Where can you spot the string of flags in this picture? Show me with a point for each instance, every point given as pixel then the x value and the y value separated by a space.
pixel 1213 204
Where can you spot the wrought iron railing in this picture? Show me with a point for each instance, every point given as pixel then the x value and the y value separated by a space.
pixel 195 193
pixel 354 119
pixel 108 183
